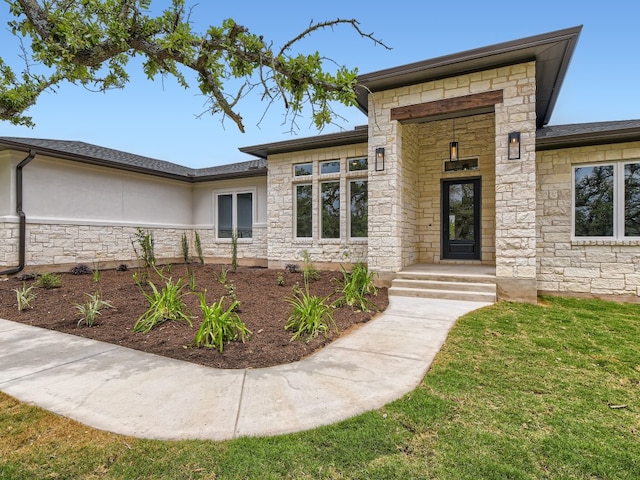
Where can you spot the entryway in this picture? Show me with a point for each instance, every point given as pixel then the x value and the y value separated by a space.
pixel 461 219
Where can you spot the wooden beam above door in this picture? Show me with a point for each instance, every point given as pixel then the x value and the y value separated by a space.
pixel 469 104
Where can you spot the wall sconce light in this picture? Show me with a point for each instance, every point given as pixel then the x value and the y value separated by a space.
pixel 453 145
pixel 514 146
pixel 379 159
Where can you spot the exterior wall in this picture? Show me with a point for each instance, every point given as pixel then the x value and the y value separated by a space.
pixel 476 137
pixel 78 213
pixel 250 251
pixel 282 246
pixel 515 179
pixel 572 265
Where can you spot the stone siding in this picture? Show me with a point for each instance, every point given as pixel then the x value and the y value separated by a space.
pixel 59 247
pixel 572 265
pixel 476 137
pixel 515 196
pixel 282 246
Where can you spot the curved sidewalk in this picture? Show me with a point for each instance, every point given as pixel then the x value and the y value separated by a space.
pixel 133 393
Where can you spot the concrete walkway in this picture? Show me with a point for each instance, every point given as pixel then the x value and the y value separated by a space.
pixel 133 393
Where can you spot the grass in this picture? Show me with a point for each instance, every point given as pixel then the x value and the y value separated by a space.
pixel 517 392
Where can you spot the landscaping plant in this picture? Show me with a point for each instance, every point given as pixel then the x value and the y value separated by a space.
pixel 91 309
pixel 80 269
pixel 145 243
pixel 234 251
pixel 165 304
pixel 185 248
pixel 308 270
pixel 311 314
pixel 220 325
pixel 24 296
pixel 48 280
pixel 198 244
pixel 357 286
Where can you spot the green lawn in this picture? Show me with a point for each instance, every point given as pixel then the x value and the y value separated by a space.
pixel 519 391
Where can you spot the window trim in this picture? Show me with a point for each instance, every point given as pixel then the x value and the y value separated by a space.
pixel 618 202
pixel 234 212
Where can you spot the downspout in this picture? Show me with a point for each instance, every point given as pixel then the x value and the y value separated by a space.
pixel 23 219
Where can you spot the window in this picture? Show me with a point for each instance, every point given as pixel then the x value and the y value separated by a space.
pixel 330 206
pixel 358 205
pixel 303 169
pixel 358 164
pixel 304 207
pixel 332 166
pixel 235 214
pixel 607 200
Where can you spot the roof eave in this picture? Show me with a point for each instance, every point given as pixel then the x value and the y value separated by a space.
pixel 351 137
pixel 588 139
pixel 552 51
pixel 92 161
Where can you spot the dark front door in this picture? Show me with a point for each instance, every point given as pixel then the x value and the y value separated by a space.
pixel 461 219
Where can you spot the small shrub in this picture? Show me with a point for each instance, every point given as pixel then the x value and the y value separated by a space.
pixel 234 251
pixel 49 280
pixel 198 245
pixel 91 309
pixel 357 286
pixel 146 245
pixel 292 268
pixel 96 274
pixel 222 277
pixel 311 315
pixel 185 247
pixel 141 278
pixel 123 267
pixel 219 325
pixel 192 279
pixel 280 279
pixel 308 270
pixel 25 296
pixel 231 291
pixel 164 304
pixel 80 269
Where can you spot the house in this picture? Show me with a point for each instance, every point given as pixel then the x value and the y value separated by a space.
pixel 456 166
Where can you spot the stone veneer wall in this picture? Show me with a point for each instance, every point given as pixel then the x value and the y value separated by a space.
pixel 476 137
pixel 57 247
pixel 282 247
pixel 515 240
pixel 580 266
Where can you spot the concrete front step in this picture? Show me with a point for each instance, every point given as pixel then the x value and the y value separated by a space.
pixel 443 294
pixel 451 285
pixel 446 277
pixel 444 285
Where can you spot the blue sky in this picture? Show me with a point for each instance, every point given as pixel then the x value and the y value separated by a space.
pixel 158 119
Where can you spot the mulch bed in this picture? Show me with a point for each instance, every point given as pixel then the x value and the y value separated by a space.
pixel 263 309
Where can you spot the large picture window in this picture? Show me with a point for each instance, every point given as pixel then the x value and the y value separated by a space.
pixel 358 205
pixel 235 214
pixel 606 200
pixel 304 209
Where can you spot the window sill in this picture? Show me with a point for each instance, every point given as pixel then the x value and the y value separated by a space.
pixel 605 242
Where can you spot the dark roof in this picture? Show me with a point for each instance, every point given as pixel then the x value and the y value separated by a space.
pixel 584 134
pixel 350 137
pixel 551 51
pixel 107 157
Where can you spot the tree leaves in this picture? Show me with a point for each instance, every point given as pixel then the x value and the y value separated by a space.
pixel 90 43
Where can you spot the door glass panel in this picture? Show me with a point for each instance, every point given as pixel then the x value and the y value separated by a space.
pixel 461 211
